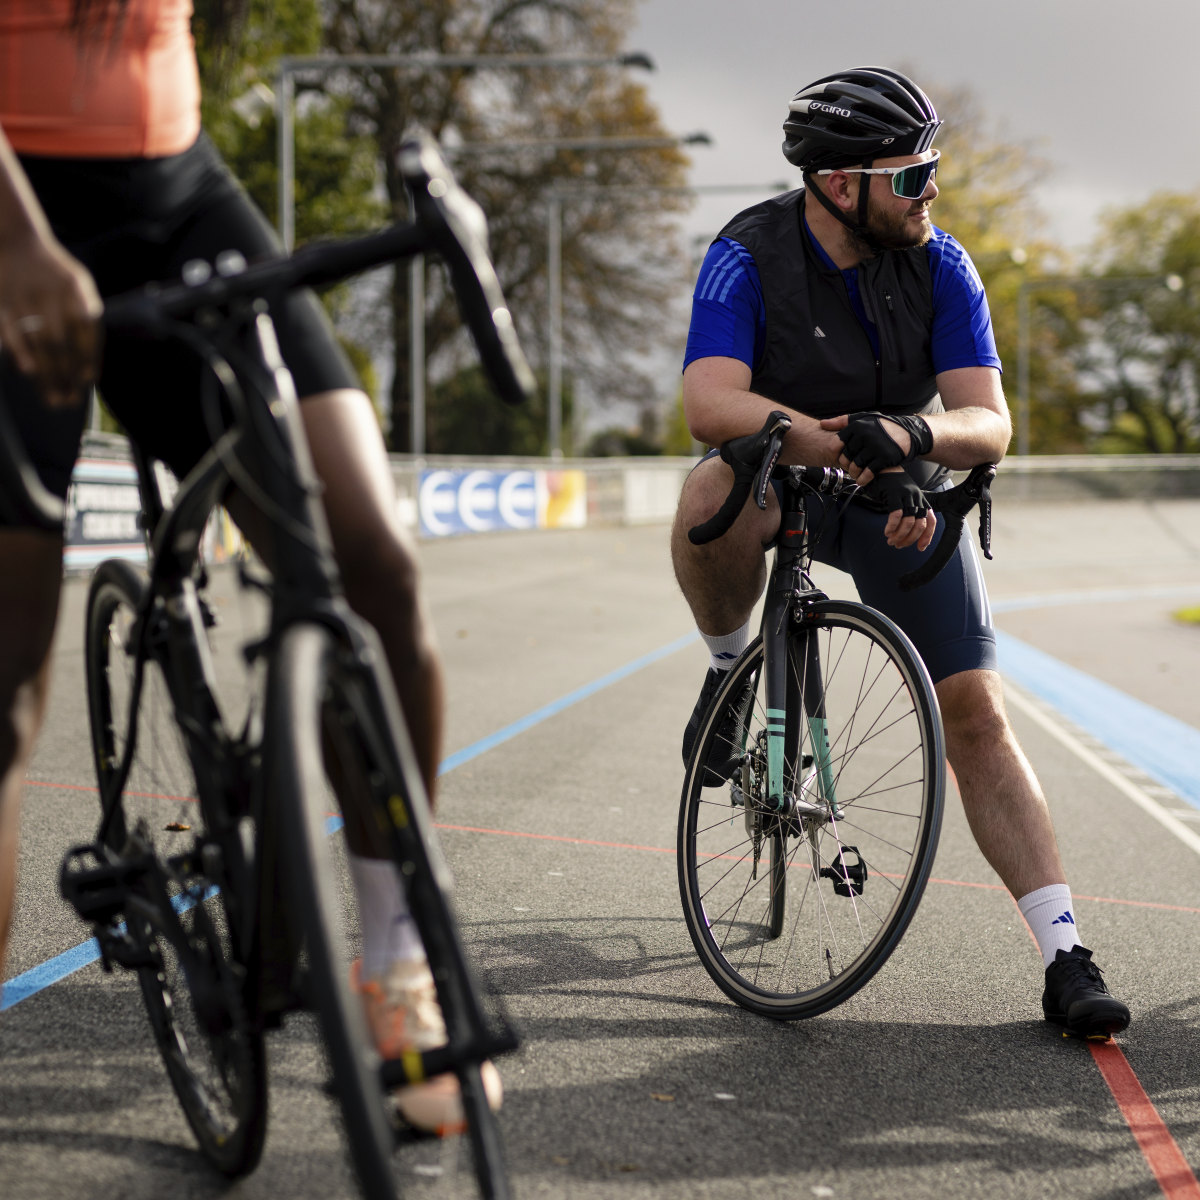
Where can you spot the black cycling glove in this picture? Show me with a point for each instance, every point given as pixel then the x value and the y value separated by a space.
pixel 897 490
pixel 869 445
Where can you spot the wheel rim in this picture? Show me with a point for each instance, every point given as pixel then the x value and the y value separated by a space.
pixel 809 921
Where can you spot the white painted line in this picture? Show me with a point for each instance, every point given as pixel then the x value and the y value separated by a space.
pixel 1150 806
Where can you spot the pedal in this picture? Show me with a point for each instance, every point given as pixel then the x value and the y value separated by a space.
pixel 95 884
pixel 849 878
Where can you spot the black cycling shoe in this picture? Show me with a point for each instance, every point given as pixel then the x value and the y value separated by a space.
pixel 1076 997
pixel 725 753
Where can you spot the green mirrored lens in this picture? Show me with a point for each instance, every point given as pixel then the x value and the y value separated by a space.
pixel 910 184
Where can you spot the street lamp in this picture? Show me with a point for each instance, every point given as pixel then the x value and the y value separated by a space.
pixel 289 65
pixel 1172 283
pixel 555 200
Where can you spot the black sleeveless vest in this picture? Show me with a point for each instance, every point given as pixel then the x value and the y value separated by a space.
pixel 817 358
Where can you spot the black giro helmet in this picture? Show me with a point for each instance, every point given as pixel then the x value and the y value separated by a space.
pixel 855 116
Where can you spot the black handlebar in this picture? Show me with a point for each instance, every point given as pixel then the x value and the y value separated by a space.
pixel 754 459
pixel 446 221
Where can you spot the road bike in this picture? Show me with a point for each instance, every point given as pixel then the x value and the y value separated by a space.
pixel 213 875
pixel 800 872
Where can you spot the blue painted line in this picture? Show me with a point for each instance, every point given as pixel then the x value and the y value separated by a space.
pixel 1166 748
pixel 1098 596
pixel 29 983
pixel 21 987
pixel 552 709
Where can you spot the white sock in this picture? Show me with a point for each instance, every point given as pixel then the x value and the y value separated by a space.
pixel 1051 917
pixel 389 932
pixel 724 650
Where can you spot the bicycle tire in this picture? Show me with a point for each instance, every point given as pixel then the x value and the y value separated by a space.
pixel 797 949
pixel 216 1064
pixel 307 691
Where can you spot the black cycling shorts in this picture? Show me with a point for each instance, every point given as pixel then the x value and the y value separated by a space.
pixel 949 620
pixel 136 221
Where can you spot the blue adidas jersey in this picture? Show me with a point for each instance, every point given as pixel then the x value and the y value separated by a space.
pixel 729 318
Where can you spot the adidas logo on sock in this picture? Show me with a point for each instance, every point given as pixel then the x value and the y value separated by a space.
pixel 1065 919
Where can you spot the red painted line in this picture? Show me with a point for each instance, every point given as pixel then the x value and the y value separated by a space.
pixel 83 787
pixel 575 841
pixel 1158 1147
pixel 554 837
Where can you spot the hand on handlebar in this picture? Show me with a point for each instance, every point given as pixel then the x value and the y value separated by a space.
pixel 49 318
pixel 872 442
pixel 910 519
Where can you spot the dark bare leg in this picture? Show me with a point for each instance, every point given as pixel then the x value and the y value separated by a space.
pixel 30 580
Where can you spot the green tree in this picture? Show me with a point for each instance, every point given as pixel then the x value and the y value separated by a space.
pixel 619 250
pixel 465 417
pixel 337 174
pixel 1140 357
pixel 986 200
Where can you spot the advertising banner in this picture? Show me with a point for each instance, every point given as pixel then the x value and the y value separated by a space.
pixel 103 507
pixel 451 502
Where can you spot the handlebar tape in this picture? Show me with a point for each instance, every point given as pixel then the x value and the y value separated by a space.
pixel 752 458
pixel 954 506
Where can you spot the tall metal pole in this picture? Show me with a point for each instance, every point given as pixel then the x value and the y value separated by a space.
pixel 554 267
pixel 285 95
pixel 285 156
pixel 554 220
pixel 1023 348
pixel 416 365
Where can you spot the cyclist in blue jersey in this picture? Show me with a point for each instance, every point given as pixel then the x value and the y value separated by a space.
pixel 841 303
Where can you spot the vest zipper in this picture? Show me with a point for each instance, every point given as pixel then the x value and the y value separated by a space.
pixel 901 361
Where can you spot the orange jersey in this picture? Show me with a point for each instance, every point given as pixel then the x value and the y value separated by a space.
pixel 129 88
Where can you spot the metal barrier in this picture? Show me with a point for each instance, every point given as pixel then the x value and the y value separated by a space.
pixel 448 496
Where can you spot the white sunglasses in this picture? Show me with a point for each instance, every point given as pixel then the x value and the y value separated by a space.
pixel 909 183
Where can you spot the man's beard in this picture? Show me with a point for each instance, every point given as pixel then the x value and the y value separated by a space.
pixel 892 232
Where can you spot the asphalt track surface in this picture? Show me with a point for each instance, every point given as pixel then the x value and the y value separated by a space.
pixel 572 670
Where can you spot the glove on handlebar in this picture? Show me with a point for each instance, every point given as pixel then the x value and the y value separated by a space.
pixel 897 490
pixel 869 445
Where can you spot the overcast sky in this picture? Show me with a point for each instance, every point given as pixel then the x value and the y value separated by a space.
pixel 1108 92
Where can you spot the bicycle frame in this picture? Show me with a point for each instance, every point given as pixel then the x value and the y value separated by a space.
pixel 306 589
pixel 789 591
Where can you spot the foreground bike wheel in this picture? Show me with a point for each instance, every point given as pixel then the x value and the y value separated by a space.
pixel 318 724
pixel 214 1059
pixel 792 913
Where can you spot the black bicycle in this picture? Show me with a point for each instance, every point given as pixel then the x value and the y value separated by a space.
pixel 213 875
pixel 801 872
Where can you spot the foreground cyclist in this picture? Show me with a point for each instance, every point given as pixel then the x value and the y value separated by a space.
pixel 112 186
pixel 841 302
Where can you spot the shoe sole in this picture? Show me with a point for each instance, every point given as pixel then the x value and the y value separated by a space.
pixel 1097 1026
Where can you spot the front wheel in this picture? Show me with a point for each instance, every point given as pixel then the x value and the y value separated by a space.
pixel 795 900
pixel 328 750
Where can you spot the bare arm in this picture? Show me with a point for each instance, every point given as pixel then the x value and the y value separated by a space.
pixel 976 426
pixel 49 306
pixel 719 405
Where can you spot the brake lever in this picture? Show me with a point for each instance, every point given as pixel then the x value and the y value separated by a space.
pixel 750 475
pixel 975 489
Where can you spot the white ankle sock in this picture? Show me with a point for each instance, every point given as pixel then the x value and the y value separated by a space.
pixel 1051 917
pixel 389 932
pixel 724 650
